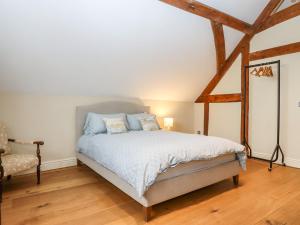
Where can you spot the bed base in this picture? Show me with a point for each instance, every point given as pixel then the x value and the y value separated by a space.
pixel 167 189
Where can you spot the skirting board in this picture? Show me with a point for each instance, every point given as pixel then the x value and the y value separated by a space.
pixel 54 164
pixel 57 164
pixel 288 161
pixel 62 163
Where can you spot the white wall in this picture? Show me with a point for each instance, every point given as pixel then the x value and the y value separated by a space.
pixel 182 112
pixel 263 96
pixel 225 118
pixel 139 48
pixel 52 119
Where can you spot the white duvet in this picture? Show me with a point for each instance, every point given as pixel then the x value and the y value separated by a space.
pixel 140 156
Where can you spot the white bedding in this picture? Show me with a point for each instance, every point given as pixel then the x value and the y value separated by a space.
pixel 139 157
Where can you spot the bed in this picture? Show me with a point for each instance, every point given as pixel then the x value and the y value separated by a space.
pixel 160 183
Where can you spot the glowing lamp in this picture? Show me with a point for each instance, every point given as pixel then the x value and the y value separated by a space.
pixel 168 122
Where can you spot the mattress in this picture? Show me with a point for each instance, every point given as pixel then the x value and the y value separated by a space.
pixel 139 157
pixel 194 166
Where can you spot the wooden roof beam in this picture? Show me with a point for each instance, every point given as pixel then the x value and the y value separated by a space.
pixel 219 38
pixel 210 13
pixel 272 52
pixel 281 16
pixel 271 6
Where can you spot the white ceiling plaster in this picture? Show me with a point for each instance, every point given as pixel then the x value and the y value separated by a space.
pixel 287 3
pixel 137 48
pixel 232 38
pixel 246 10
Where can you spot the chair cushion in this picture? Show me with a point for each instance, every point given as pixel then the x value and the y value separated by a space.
pixel 15 163
pixel 4 140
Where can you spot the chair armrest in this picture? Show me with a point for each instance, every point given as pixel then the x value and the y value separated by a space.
pixel 26 142
pixel 37 143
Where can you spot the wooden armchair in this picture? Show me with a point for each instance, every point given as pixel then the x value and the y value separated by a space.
pixel 12 164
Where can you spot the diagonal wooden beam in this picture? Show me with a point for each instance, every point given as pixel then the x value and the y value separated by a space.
pixel 272 52
pixel 245 40
pixel 220 98
pixel 281 16
pixel 203 10
pixel 218 32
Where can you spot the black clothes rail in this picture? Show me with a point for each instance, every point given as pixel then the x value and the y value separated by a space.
pixel 278 149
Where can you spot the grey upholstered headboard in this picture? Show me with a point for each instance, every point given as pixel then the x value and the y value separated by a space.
pixel 106 108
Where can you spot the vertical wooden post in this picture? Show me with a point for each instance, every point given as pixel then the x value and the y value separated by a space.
pixel 245 88
pixel 206 118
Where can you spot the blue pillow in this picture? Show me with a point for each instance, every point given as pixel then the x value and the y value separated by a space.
pixel 134 120
pixel 94 123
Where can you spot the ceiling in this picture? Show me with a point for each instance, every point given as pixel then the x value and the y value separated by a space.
pixel 287 3
pixel 133 48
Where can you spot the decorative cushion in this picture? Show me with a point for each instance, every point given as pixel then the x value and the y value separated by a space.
pixel 94 123
pixel 15 163
pixel 115 125
pixel 134 120
pixel 149 124
pixel 4 140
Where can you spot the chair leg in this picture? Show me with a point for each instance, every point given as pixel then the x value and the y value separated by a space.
pixel 1 190
pixel 236 180
pixel 38 174
pixel 147 213
pixel 1 182
pixel 8 178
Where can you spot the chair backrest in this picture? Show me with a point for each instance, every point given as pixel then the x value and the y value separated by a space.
pixel 4 139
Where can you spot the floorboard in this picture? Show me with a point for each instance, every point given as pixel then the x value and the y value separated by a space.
pixel 75 196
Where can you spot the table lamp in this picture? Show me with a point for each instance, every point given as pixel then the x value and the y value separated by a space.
pixel 168 122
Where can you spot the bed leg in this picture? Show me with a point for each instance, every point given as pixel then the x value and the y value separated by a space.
pixel 79 163
pixel 147 213
pixel 236 180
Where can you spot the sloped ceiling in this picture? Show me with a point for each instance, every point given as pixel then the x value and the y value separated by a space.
pixel 287 3
pixel 136 48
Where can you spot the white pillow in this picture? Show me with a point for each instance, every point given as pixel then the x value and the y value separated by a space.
pixel 115 125
pixel 94 123
pixel 134 122
pixel 149 124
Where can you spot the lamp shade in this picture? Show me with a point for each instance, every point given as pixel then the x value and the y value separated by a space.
pixel 168 122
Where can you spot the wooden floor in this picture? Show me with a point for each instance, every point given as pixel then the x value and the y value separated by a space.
pixel 78 196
